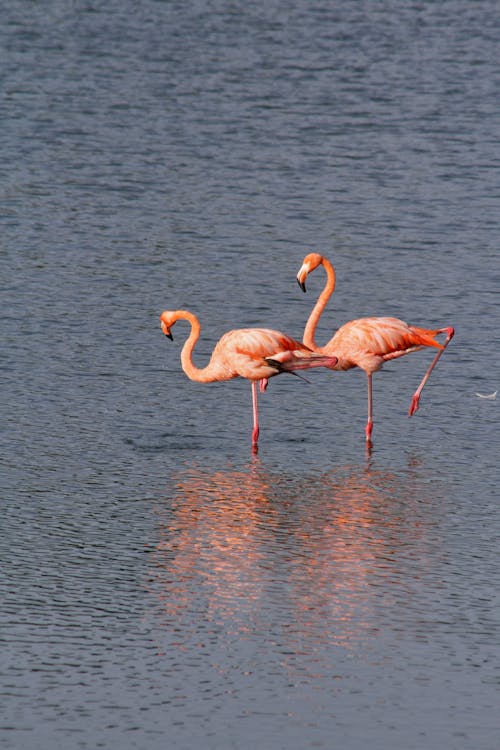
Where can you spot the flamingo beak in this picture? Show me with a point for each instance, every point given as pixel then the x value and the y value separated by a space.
pixel 302 276
pixel 166 330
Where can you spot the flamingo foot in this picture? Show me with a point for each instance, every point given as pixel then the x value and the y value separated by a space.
pixel 263 384
pixel 414 404
pixel 369 430
pixel 255 440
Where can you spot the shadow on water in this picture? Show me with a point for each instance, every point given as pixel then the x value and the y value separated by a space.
pixel 317 560
pixel 153 441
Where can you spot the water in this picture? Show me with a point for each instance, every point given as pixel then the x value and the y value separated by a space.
pixel 161 587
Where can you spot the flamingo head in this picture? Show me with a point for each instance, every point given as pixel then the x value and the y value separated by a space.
pixel 166 323
pixel 310 262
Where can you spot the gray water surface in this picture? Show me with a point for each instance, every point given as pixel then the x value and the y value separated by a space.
pixel 161 587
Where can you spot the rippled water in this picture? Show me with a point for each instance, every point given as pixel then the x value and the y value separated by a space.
pixel 161 587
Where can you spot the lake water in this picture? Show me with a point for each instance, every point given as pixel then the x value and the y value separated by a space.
pixel 161 587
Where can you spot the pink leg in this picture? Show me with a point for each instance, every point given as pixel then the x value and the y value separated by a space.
pixel 255 431
pixel 369 424
pixel 263 384
pixel 416 396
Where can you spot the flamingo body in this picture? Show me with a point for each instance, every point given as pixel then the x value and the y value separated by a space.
pixel 368 342
pixel 253 353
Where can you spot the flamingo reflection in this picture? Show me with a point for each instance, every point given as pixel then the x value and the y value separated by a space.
pixel 304 556
pixel 211 549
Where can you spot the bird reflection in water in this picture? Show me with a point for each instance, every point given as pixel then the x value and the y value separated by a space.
pixel 212 545
pixel 313 559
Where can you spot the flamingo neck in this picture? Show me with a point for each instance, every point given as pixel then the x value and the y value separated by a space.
pixel 194 373
pixel 316 312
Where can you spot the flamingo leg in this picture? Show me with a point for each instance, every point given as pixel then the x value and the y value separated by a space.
pixel 255 431
pixel 369 424
pixel 416 396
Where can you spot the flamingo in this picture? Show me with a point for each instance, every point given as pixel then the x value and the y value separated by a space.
pixel 253 353
pixel 368 342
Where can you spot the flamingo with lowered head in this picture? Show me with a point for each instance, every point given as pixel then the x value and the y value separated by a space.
pixel 253 353
pixel 368 342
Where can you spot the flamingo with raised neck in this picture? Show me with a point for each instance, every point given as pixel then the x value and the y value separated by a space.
pixel 367 342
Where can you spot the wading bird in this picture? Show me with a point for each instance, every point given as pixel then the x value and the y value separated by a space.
pixel 368 342
pixel 253 353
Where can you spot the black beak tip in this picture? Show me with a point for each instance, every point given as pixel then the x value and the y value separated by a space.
pixel 302 285
pixel 169 336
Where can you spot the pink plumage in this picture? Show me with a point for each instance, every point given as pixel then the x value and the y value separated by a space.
pixel 367 342
pixel 253 353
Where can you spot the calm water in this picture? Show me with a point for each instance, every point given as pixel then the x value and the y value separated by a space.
pixel 161 587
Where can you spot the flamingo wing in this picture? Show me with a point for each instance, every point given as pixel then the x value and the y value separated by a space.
pixel 257 353
pixel 369 342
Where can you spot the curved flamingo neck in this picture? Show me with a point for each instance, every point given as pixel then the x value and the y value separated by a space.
pixel 194 373
pixel 316 312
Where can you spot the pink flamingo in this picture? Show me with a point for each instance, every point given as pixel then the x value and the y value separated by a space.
pixel 368 342
pixel 253 353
